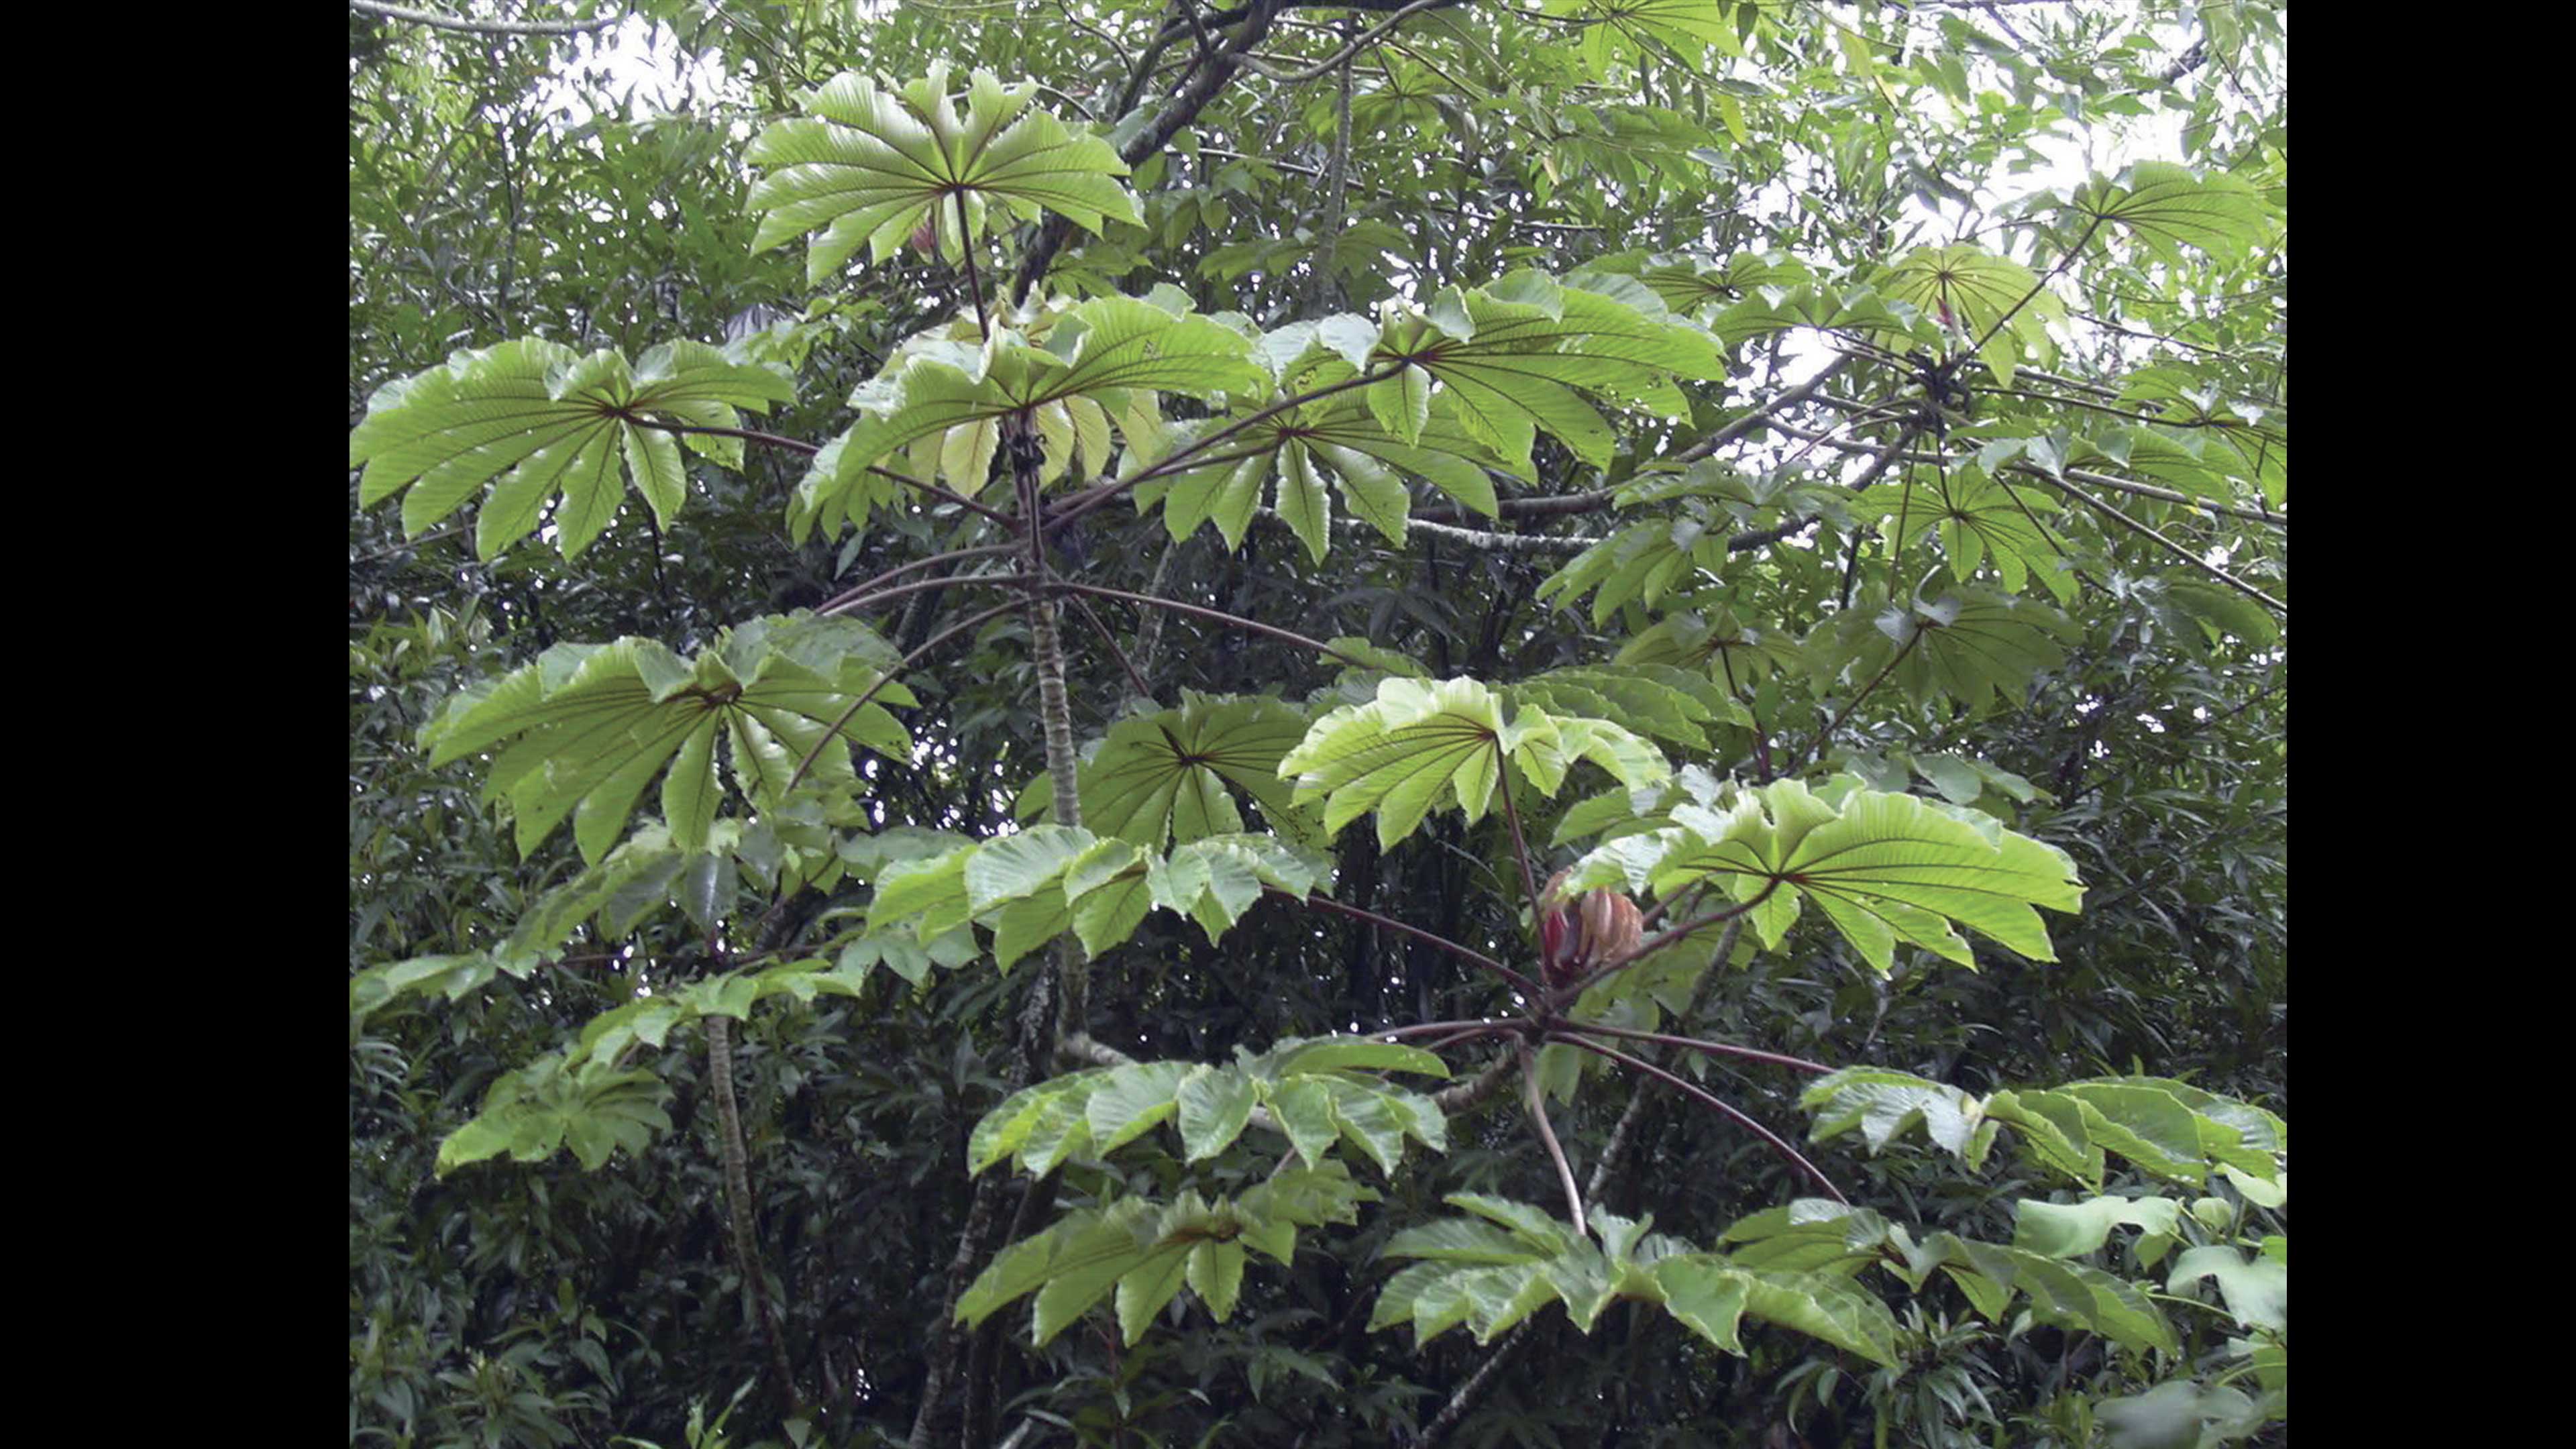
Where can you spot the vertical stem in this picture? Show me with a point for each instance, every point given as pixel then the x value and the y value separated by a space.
pixel 738 1203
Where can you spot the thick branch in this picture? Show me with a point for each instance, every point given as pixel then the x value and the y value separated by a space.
pixel 484 27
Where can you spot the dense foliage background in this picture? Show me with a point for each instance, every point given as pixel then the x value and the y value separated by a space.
pixel 1969 368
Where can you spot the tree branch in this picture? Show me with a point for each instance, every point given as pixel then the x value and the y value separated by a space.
pixel 483 27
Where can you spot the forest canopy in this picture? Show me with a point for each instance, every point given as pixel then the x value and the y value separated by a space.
pixel 1119 722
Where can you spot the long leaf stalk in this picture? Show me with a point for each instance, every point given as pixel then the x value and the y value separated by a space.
pixel 2041 285
pixel 1520 847
pixel 1535 1101
pixel 927 645
pixel 859 593
pixel 1815 749
pixel 1288 636
pixel 1429 938
pixel 1697 1044
pixel 1710 1099
pixel 924 586
pixel 2176 549
pixel 1109 641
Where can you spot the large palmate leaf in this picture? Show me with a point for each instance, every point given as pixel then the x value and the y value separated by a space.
pixel 1161 777
pixel 1101 361
pixel 1146 1251
pixel 1836 1240
pixel 1977 518
pixel 1974 293
pixel 2169 1129
pixel 1688 549
pixel 2165 206
pixel 1737 656
pixel 875 166
pixel 1690 285
pixel 1625 28
pixel 1514 354
pixel 592 725
pixel 1493 1270
pixel 1311 1091
pixel 1969 644
pixel 1657 700
pixel 1882 868
pixel 1031 887
pixel 593 1107
pixel 1419 740
pixel 1358 437
pixel 550 422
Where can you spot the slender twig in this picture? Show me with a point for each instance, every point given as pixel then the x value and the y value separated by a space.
pixel 1711 1099
pixel 889 677
pixel 1532 1098
pixel 1699 1044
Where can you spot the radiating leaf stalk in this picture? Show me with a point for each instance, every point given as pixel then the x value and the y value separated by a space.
pixel 966 249
pixel 1815 748
pixel 1710 1099
pixel 1700 1044
pixel 1520 847
pixel 810 449
pixel 1286 636
pixel 1109 640
pixel 2178 551
pixel 1904 510
pixel 933 642
pixel 1535 1101
pixel 2004 319
pixel 1464 953
pixel 859 594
